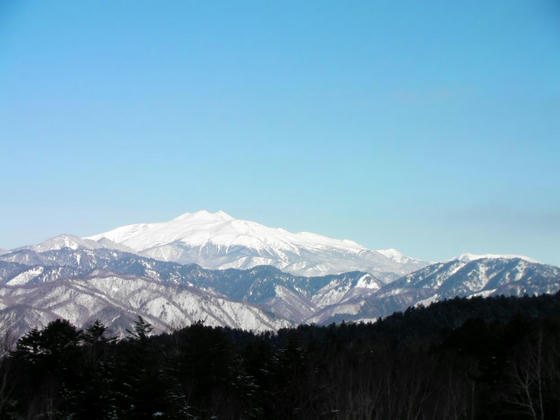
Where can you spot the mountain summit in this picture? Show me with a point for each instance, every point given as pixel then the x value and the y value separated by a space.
pixel 217 240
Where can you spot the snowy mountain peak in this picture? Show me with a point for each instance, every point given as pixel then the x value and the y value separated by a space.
pixel 63 241
pixel 220 229
pixel 467 257
pixel 217 240
pixel 204 215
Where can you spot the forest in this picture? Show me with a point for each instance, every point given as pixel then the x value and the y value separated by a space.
pixel 480 358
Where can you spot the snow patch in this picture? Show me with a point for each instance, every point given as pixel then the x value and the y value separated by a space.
pixel 25 277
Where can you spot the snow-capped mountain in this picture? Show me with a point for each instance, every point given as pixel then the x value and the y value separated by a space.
pixel 218 241
pixel 468 275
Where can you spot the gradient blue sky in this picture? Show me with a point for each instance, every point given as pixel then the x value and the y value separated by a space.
pixel 432 127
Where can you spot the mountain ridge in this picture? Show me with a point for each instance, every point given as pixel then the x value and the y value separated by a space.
pixel 87 281
pixel 484 277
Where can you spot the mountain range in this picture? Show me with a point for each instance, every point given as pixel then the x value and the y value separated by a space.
pixel 225 271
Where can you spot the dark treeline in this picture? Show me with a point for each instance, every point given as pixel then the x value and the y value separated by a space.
pixel 495 358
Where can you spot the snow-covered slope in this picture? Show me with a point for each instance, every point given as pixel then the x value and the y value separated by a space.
pixel 117 300
pixel 464 276
pixel 484 276
pixel 287 296
pixel 217 240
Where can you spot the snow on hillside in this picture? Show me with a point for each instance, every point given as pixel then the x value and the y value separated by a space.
pixel 217 240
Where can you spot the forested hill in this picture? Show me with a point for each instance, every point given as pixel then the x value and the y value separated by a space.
pixel 493 358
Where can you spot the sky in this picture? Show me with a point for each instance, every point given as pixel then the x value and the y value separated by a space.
pixel 432 127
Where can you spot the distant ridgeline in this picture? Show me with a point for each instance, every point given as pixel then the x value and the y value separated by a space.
pixel 478 358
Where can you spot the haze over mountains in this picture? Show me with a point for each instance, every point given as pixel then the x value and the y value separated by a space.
pixel 225 271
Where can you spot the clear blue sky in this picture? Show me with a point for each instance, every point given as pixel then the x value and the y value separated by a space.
pixel 428 126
